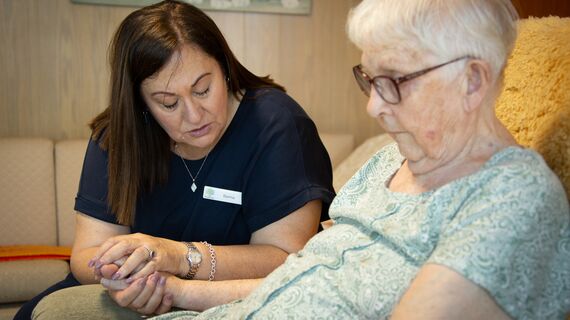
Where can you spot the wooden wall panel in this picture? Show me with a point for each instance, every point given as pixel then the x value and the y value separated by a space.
pixel 54 75
pixel 542 8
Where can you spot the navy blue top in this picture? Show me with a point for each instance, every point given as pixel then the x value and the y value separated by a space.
pixel 271 153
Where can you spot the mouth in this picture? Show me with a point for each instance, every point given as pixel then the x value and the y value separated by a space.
pixel 200 132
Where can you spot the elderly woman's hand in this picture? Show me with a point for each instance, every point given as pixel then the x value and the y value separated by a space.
pixel 137 256
pixel 105 273
pixel 146 295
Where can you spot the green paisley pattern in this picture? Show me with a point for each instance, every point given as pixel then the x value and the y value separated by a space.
pixel 505 228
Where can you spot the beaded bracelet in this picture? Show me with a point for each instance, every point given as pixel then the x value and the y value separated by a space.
pixel 212 260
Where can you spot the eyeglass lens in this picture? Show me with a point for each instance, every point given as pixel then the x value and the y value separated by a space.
pixel 385 87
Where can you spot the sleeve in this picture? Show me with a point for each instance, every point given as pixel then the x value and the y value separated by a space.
pixel 91 197
pixel 291 168
pixel 507 241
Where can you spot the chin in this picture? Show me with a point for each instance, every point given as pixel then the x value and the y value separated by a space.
pixel 411 153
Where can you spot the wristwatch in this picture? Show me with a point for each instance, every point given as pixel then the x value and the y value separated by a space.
pixel 194 258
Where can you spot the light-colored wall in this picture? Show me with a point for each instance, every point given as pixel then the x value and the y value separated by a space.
pixel 54 74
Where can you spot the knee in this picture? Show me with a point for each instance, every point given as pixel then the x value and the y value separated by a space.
pixel 71 303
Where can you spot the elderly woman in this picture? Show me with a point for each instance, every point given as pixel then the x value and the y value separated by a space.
pixel 455 220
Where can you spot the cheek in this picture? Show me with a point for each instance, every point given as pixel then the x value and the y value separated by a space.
pixel 434 114
pixel 430 135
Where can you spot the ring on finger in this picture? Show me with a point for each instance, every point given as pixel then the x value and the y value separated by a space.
pixel 151 253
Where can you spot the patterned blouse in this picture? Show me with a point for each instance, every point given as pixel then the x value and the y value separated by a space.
pixel 506 228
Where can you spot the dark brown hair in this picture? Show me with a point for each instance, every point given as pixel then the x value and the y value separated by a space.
pixel 138 148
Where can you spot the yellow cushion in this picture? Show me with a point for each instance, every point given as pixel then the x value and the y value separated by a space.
pixel 535 102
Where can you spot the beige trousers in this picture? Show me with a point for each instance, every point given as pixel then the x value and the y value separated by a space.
pixel 82 302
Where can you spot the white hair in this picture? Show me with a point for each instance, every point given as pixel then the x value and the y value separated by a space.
pixel 484 29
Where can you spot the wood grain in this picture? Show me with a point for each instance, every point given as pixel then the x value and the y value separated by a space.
pixel 55 75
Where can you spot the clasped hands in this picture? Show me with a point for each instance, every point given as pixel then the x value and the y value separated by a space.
pixel 135 269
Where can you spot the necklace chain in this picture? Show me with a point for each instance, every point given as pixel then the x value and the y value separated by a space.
pixel 193 186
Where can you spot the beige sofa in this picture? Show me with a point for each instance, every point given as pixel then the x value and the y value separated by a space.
pixel 38 182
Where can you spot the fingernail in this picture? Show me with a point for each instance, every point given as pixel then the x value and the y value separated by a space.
pixel 162 281
pixel 130 280
pixel 91 263
pixel 116 276
pixel 98 264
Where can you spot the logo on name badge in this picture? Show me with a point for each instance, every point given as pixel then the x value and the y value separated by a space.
pixel 222 195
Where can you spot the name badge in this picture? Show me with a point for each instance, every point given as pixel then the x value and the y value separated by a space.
pixel 222 195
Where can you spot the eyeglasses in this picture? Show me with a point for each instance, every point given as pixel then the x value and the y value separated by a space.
pixel 388 87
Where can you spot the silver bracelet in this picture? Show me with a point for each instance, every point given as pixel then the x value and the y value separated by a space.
pixel 212 260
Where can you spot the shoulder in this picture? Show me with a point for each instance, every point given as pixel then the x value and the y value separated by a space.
pixel 376 170
pixel 381 165
pixel 272 104
pixel 272 96
pixel 515 188
pixel 96 151
pixel 520 173
pixel 507 223
pixel 268 112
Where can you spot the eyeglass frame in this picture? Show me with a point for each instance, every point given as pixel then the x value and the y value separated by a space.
pixel 358 72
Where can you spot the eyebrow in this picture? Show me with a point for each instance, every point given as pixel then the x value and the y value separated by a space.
pixel 193 84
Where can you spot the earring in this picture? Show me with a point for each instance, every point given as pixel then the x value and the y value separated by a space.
pixel 145 116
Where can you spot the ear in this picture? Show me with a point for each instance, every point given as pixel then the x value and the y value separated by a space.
pixel 477 83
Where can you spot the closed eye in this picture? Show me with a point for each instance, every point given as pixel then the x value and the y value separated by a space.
pixel 202 93
pixel 170 106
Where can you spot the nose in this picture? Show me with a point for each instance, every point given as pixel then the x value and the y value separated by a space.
pixel 376 106
pixel 192 112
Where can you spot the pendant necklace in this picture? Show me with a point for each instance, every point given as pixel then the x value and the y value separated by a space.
pixel 193 186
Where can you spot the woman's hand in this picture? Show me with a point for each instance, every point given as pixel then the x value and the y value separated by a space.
pixel 90 234
pixel 107 271
pixel 144 255
pixel 145 295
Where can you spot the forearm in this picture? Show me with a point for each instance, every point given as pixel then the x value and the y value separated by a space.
pixel 81 271
pixel 239 262
pixel 200 295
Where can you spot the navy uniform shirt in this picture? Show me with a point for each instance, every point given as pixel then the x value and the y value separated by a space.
pixel 270 153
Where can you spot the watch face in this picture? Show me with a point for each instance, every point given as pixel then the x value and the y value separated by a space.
pixel 195 258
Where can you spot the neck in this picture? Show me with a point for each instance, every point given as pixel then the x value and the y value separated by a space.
pixel 487 137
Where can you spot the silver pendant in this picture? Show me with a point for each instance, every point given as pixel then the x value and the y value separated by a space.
pixel 193 187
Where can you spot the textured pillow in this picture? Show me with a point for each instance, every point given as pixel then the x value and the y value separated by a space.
pixel 535 102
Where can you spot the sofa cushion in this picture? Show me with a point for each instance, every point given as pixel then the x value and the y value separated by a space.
pixel 23 279
pixel 27 192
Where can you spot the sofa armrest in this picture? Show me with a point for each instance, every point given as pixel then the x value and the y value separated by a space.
pixel 338 145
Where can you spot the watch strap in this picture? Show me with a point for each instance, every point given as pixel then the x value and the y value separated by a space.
pixel 192 263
